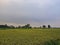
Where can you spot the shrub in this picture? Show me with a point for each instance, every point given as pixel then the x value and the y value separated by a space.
pixel 52 42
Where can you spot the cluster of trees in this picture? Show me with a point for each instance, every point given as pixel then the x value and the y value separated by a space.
pixel 45 26
pixel 11 26
pixel 6 26
pixel 25 26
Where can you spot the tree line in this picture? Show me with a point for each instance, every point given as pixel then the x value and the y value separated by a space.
pixel 25 26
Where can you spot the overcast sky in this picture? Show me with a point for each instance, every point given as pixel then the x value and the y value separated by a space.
pixel 34 12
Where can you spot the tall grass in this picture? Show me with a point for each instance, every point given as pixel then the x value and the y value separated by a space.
pixel 30 37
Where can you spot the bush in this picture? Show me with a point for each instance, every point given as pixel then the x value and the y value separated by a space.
pixel 52 42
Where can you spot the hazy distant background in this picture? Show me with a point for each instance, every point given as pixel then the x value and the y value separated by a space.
pixel 34 12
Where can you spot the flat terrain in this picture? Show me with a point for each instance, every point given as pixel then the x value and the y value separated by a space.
pixel 27 36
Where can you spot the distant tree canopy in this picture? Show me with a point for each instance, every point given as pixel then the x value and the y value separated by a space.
pixel 27 26
pixel 49 26
pixel 4 26
pixel 18 27
pixel 12 26
pixel 44 26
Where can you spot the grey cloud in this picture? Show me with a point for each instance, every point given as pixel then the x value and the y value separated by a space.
pixel 29 11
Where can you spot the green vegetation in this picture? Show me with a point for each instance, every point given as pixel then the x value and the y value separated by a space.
pixel 30 36
pixel 27 26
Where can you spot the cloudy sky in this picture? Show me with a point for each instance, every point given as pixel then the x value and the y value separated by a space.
pixel 34 12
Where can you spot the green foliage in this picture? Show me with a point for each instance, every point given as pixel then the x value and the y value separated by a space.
pixel 44 26
pixel 53 42
pixel 27 26
pixel 49 26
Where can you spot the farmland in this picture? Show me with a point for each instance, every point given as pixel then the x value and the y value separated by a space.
pixel 28 36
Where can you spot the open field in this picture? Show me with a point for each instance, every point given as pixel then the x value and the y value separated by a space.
pixel 28 36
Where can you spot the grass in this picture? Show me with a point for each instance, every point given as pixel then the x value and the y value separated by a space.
pixel 29 36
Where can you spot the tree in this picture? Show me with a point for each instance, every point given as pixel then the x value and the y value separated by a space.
pixel 19 27
pixel 44 26
pixel 40 26
pixel 4 26
pixel 12 26
pixel 27 26
pixel 49 26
